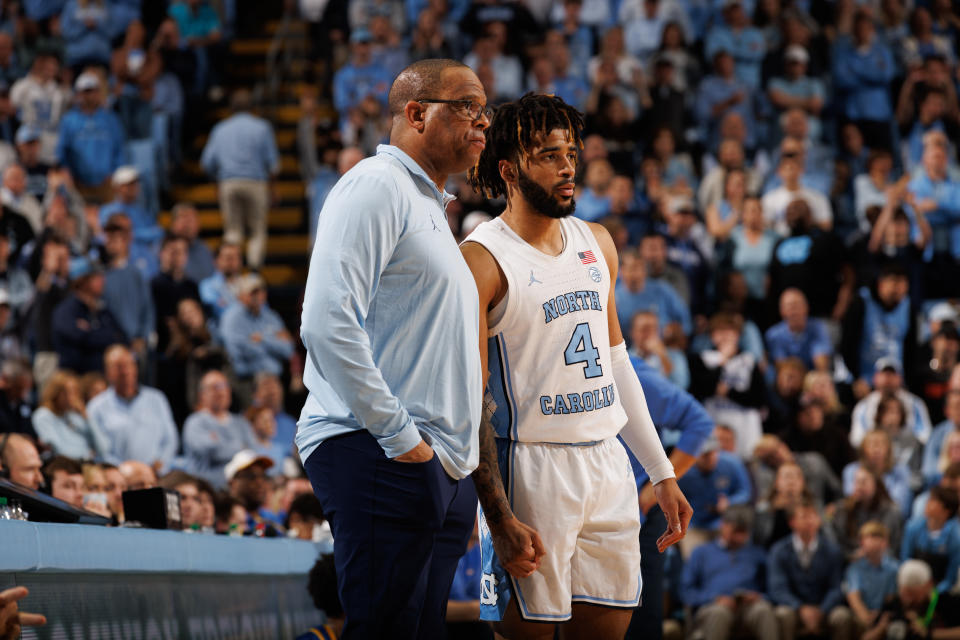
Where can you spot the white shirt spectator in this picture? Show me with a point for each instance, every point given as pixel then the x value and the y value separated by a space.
pixel 775 204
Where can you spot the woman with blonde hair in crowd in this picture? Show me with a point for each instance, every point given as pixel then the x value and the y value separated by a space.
pixel 950 452
pixel 61 420
pixel 875 454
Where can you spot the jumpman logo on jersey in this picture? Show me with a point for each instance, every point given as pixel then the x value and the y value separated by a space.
pixel 533 279
pixel 435 227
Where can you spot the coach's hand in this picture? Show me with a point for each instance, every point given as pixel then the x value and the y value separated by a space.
pixel 677 510
pixel 11 619
pixel 518 547
pixel 420 453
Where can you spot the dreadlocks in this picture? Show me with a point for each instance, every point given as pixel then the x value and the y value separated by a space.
pixel 516 128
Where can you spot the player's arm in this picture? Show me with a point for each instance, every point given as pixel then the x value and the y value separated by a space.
pixel 517 545
pixel 639 433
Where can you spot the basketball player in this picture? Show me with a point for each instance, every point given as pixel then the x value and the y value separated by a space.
pixel 560 389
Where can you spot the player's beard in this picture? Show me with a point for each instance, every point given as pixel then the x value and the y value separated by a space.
pixel 541 200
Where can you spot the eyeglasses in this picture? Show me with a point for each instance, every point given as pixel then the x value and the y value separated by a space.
pixel 473 109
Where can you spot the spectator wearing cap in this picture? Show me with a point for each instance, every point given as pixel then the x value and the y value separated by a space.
pixel 15 196
pixel 41 102
pixel 126 293
pixel 171 285
pixel 717 481
pixel 82 325
pixel 360 77
pixel 636 292
pixel 797 335
pixel 724 582
pixel 721 93
pixel 932 450
pixel 254 335
pixel 246 474
pixel 91 141
pixel 218 291
pixel 212 435
pixel 135 419
pixel 28 155
pixel 85 26
pixel 744 42
pixel 20 460
pixel 804 575
pixel 797 90
pixel 879 322
pixel 127 200
pixel 184 222
pixel 863 67
pixel 888 380
pixel 241 154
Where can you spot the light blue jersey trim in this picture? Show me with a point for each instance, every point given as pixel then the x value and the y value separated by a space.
pixel 508 379
pixel 609 602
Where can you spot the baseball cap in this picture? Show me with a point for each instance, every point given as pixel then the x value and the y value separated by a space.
pixel 82 267
pixel 249 283
pixel 245 459
pixel 86 81
pixel 942 311
pixel 888 362
pixel 26 134
pixel 125 175
pixel 797 53
pixel 361 35
pixel 680 204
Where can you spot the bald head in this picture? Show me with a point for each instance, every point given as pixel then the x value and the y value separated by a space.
pixel 138 475
pixel 19 457
pixel 422 79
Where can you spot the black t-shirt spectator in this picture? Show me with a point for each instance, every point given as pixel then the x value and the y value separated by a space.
pixel 946 615
pixel 811 262
pixel 17 229
pixel 167 294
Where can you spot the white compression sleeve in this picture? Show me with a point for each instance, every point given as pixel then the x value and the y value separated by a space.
pixel 639 433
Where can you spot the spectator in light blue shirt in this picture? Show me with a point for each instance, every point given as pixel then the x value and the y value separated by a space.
pixel 933 193
pixel 126 185
pixel 268 392
pixel 863 67
pixel 212 435
pixel 86 28
pixel 218 292
pixel 797 335
pixel 935 537
pixel 136 420
pixel 871 580
pixel 744 42
pixel 938 438
pixel 241 154
pixel 635 292
pixel 723 93
pixel 798 90
pixel 126 293
pixel 254 335
pixel 91 140
pixel 360 77
pixel 647 345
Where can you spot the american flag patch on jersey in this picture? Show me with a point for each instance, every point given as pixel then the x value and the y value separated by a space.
pixel 586 257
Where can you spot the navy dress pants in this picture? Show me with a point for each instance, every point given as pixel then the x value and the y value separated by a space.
pixel 399 531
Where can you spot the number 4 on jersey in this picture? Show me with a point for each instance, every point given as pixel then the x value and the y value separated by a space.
pixel 581 349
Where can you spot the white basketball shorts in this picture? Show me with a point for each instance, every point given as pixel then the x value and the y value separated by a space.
pixel 582 500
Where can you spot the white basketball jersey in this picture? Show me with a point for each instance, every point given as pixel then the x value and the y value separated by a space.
pixel 551 379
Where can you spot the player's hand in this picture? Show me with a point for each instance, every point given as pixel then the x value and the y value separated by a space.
pixel 11 618
pixel 518 547
pixel 420 453
pixel 676 509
